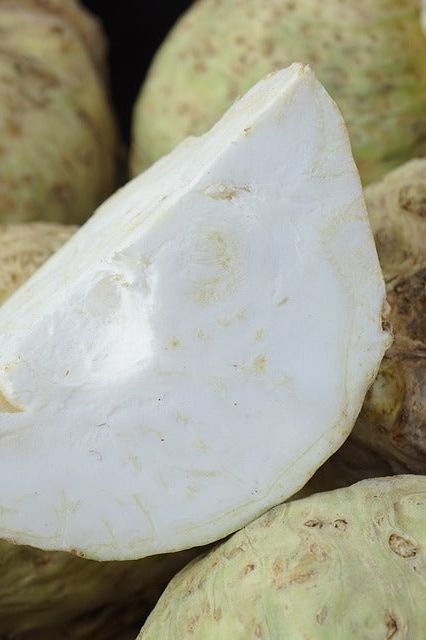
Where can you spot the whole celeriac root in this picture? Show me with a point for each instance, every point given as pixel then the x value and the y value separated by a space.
pixel 343 565
pixel 59 142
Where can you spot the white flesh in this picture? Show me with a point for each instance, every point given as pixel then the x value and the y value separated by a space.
pixel 206 340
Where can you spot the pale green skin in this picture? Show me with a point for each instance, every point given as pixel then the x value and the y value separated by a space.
pixel 344 565
pixel 58 138
pixel 53 595
pixel 370 55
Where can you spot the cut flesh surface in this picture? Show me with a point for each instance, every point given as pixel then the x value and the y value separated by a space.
pixel 193 354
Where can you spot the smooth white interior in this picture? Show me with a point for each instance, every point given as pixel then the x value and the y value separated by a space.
pixel 205 341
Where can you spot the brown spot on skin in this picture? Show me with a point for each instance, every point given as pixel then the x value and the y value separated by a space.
pixel 192 623
pixel 301 577
pixel 41 559
pixel 391 626
pixel 318 553
pixel 386 325
pixel 248 569
pixel 56 28
pixel 402 547
pixel 62 192
pixel 282 302
pixel 267 48
pixel 408 302
pixel 278 576
pixel 241 40
pixel 258 633
pixel 314 523
pixel 321 616
pixel 217 614
pixel 200 67
pixel 340 524
pixel 235 552
pixel 412 198
pixel 77 552
pixel 14 128
pixel 206 608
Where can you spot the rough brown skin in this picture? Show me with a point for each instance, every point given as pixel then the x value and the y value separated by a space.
pixel 49 595
pixel 390 434
pixel 59 146
pixel 345 565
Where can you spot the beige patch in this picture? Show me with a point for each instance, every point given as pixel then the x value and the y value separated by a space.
pixel 175 343
pixel 282 302
pixel 8 407
pixel 222 192
pixel 260 364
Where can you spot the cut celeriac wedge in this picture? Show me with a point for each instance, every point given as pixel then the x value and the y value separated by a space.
pixel 192 355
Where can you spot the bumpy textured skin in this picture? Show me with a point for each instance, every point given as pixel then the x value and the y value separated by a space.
pixel 24 248
pixel 390 434
pixel 370 56
pixel 344 565
pixel 58 139
pixel 58 596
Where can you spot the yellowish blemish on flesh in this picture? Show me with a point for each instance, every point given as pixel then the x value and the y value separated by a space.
pixel 222 249
pixel 201 335
pixel 8 407
pixel 222 192
pixel 208 291
pixel 192 490
pixel 282 302
pixel 175 343
pixel 286 381
pixel 201 445
pixel 117 277
pixel 135 462
pixel 260 364
pixel 219 256
pixel 227 321
pixel 138 499
pixel 217 383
